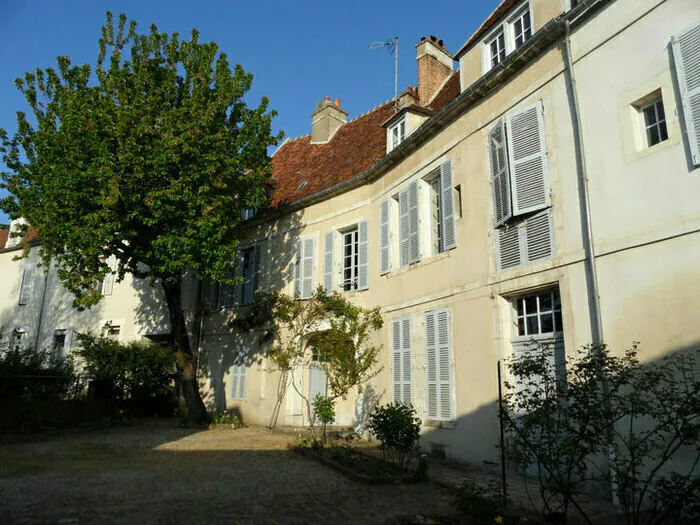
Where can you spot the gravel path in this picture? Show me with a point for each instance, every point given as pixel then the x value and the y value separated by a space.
pixel 154 472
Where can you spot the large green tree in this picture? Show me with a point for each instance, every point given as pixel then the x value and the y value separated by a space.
pixel 149 158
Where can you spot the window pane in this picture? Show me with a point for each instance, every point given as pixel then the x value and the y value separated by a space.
pixel 557 300
pixel 527 24
pixel 650 115
pixel 653 135
pixel 660 110
pixel 521 326
pixel 532 325
pixel 531 304
pixel 520 306
pixel 545 302
pixel 547 323
pixel 663 131
pixel 558 325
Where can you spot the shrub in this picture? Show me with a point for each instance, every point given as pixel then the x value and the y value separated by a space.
pixel 398 428
pixel 225 418
pixel 481 503
pixel 325 412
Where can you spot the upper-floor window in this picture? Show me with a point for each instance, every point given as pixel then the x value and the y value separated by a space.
pixel 111 331
pixel 396 133
pixel 247 272
pixel 354 258
pixel 305 268
pixel 26 285
pixel 247 213
pixel 507 36
pixel 351 259
pixel 59 341
pixel 18 338
pixel 654 123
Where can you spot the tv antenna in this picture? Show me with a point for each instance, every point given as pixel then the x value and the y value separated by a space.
pixel 393 48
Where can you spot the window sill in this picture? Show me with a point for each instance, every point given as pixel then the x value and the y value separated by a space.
pixel 445 425
pixel 423 262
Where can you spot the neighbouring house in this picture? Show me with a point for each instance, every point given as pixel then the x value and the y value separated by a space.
pixel 546 188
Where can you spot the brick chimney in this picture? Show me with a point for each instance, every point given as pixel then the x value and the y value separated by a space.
pixel 326 120
pixel 434 66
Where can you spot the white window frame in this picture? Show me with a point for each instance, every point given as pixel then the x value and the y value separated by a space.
pixel 507 28
pixel 556 334
pixel 643 121
pixel 107 324
pixel 18 337
pixel 354 282
pixel 391 143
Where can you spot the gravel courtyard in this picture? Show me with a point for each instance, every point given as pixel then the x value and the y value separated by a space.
pixel 154 472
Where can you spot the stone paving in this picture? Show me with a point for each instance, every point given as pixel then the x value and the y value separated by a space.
pixel 154 472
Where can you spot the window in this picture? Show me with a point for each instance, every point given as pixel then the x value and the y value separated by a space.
pixel 439 365
pixel 304 268
pixel 435 221
pixel 111 331
pixel 239 376
pixel 409 224
pixel 396 133
pixel 59 341
pixel 538 314
pixel 247 213
pixel 18 338
pixel 520 185
pixel 351 244
pixel 654 123
pixel 354 261
pixel 108 280
pixel 686 56
pixel 401 360
pixel 248 268
pixel 507 36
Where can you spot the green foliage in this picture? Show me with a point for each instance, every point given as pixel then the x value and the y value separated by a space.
pixel 398 428
pixel 225 418
pixel 481 503
pixel 132 371
pixel 325 409
pixel 603 418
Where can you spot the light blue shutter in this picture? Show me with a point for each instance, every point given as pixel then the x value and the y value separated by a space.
pixel 239 377
pixel 404 229
pixel 406 359
pixel 297 270
pixel 249 276
pixel 531 240
pixel 447 207
pixel 527 159
pixel 413 224
pixel 108 281
pixel 26 286
pixel 384 246
pixel 363 255
pixel 396 358
pixel 238 288
pixel 431 357
pixel 686 54
pixel 257 271
pixel 500 178
pixel 308 263
pixel 444 364
pixel 508 247
pixel 539 240
pixel 328 262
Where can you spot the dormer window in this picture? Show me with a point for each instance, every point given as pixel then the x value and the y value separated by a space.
pixel 507 36
pixel 396 133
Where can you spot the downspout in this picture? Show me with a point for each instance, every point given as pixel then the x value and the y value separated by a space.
pixel 597 321
pixel 41 309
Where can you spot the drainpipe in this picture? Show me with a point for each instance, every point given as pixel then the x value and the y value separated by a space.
pixel 41 308
pixel 597 321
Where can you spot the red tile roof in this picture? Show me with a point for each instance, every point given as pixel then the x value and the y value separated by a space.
pixel 30 236
pixel 354 148
pixel 4 234
pixel 447 93
pixel 494 17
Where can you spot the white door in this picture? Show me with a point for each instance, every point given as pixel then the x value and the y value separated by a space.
pixel 318 383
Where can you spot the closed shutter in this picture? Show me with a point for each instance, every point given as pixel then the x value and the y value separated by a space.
pixel 239 287
pixel 226 297
pixel 403 228
pixel 500 178
pixel 363 255
pixel 108 281
pixel 239 378
pixel 686 54
pixel 209 294
pixel 308 262
pixel 297 270
pixel 401 360
pixel 556 360
pixel 527 159
pixel 447 207
pixel 328 262
pixel 384 246
pixel 249 276
pixel 413 224
pixel 257 271
pixel 438 345
pixel 26 286
pixel 531 240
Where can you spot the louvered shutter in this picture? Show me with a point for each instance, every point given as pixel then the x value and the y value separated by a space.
pixel 406 359
pixel 384 246
pixel 328 262
pixel 396 359
pixel 500 178
pixel 538 237
pixel 257 270
pixel 297 270
pixel 239 287
pixel 108 281
pixel 413 224
pixel 508 247
pixel 431 354
pixel 68 342
pixel 686 54
pixel 444 364
pixel 447 207
pixel 209 294
pixel 363 255
pixel 403 228
pixel 527 159
pixel 239 377
pixel 307 276
pixel 26 286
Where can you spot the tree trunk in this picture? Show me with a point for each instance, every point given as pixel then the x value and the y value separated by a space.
pixel 184 359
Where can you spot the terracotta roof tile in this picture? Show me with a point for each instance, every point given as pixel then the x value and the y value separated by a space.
pixel 449 91
pixel 4 234
pixel 355 147
pixel 494 17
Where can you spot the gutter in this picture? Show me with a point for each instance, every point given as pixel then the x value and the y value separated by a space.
pixel 548 35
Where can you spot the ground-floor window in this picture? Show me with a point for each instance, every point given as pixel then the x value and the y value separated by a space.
pixel 239 376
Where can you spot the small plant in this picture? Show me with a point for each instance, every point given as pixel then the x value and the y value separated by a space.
pixel 225 418
pixel 481 503
pixel 398 428
pixel 325 412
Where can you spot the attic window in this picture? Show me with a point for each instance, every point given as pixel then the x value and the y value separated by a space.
pixel 301 186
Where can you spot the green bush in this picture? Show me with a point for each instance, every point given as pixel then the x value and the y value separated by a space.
pixel 481 503
pixel 135 376
pixel 226 418
pixel 324 408
pixel 398 428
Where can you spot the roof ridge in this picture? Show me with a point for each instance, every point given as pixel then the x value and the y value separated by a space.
pixel 375 108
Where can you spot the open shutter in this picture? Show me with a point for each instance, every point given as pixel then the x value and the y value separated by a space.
pixel 431 361
pixel 531 240
pixel 307 276
pixel 209 294
pixel 447 207
pixel 538 237
pixel 403 228
pixel 413 224
pixel 444 364
pixel 363 255
pixel 239 287
pixel 328 262
pixel 406 359
pixel 297 270
pixel 397 369
pixel 527 158
pixel 257 270
pixel 508 247
pixel 384 247
pixel 686 54
pixel 108 281
pixel 26 286
pixel 500 178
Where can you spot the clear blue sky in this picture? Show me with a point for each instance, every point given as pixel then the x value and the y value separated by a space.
pixel 299 51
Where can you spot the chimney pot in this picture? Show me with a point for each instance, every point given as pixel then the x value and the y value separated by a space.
pixel 327 118
pixel 336 102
